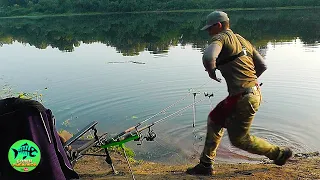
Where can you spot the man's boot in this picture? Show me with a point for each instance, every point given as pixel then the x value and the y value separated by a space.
pixel 201 169
pixel 284 155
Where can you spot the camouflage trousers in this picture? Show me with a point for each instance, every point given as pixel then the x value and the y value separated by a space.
pixel 237 120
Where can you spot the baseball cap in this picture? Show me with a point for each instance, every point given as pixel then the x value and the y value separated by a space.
pixel 215 17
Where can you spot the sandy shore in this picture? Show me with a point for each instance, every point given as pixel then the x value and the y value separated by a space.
pixel 299 167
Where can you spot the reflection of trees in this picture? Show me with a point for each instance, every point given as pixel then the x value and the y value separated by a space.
pixel 24 7
pixel 279 25
pixel 156 32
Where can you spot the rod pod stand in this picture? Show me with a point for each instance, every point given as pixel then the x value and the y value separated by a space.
pixel 109 161
pixel 194 108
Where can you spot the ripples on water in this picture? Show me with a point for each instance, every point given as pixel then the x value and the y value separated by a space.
pixel 121 95
pixel 288 116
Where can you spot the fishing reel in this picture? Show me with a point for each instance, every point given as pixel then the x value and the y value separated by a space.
pixel 150 136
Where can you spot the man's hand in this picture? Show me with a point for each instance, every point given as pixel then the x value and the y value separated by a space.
pixel 212 75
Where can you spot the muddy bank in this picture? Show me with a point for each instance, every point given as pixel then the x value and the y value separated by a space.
pixel 301 166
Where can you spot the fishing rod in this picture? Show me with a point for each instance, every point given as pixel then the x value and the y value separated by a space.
pixel 140 123
pixel 117 138
pixel 164 110
pixel 133 133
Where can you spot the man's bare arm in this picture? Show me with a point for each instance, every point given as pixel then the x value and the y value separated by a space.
pixel 259 63
pixel 209 60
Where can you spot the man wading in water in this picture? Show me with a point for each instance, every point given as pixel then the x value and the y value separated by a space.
pixel 240 64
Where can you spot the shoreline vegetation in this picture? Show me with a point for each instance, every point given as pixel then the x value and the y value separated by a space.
pixel 67 32
pixel 41 15
pixel 59 7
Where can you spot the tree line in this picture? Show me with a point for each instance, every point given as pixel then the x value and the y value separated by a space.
pixel 34 7
pixel 156 32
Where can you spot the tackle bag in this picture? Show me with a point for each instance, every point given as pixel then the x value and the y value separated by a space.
pixel 22 119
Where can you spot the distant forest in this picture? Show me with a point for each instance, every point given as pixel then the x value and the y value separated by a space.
pixel 40 7
pixel 131 34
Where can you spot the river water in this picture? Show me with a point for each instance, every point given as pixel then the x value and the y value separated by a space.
pixel 122 69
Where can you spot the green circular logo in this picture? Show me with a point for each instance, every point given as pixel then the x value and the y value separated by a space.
pixel 24 155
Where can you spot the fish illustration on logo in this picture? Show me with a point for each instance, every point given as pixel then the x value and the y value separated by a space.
pixel 25 150
pixel 24 155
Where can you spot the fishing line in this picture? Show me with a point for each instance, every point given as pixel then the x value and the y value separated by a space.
pixel 176 112
pixel 180 110
pixel 172 105
pixel 155 122
pixel 165 109
pixel 172 115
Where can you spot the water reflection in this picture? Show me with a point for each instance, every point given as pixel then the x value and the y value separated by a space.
pixel 156 32
pixel 96 83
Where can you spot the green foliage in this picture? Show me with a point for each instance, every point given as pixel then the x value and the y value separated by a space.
pixel 7 91
pixel 66 123
pixel 156 32
pixel 25 7
pixel 130 153
pixel 35 96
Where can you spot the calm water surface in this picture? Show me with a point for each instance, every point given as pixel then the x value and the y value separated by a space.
pixel 120 70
